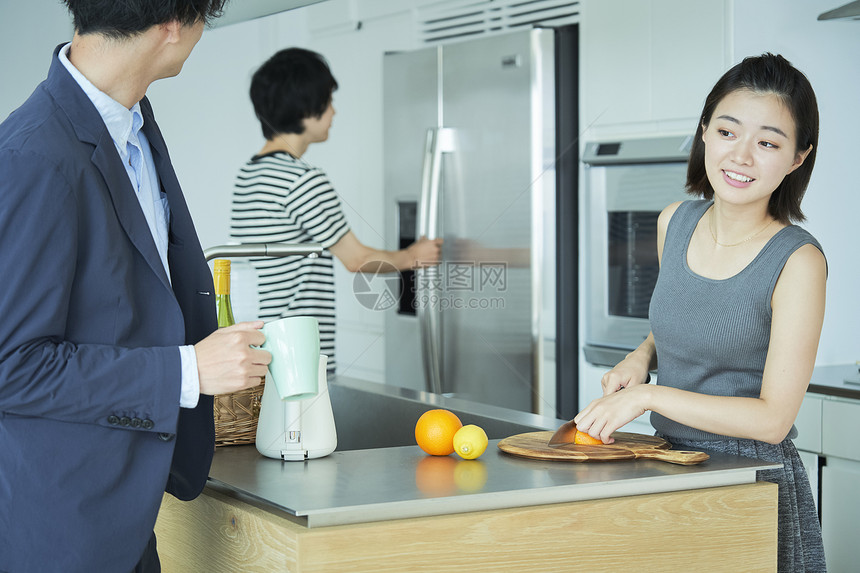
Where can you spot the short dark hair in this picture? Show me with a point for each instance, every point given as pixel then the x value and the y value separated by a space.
pixel 293 85
pixel 127 18
pixel 765 74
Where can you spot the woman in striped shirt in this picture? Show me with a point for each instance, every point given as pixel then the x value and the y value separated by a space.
pixel 279 198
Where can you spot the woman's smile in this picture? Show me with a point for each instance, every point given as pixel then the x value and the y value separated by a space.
pixel 736 179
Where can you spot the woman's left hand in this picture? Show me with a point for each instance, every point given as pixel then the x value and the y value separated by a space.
pixel 605 415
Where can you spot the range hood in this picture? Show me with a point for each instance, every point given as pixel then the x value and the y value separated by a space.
pixel 243 10
pixel 850 11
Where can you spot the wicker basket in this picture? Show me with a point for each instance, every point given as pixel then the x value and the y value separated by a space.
pixel 236 416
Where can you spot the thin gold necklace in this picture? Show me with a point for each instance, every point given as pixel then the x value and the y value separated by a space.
pixel 754 235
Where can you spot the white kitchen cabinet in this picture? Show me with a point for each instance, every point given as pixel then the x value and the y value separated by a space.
pixel 808 424
pixel 840 480
pixel 840 511
pixel 647 61
pixel 840 427
pixel 810 462
pixel 827 429
pixel 808 440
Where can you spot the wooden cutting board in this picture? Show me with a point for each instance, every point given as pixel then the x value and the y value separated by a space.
pixel 626 447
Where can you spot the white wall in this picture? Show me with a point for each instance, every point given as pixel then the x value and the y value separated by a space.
pixel 29 31
pixel 828 53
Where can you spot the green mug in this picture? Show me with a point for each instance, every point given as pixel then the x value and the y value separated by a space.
pixel 294 343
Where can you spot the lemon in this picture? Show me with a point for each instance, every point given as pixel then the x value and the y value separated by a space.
pixel 470 442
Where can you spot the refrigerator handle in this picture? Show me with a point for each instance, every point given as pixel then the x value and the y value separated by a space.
pixel 428 209
pixel 426 285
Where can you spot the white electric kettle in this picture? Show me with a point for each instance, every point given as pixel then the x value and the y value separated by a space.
pixel 297 430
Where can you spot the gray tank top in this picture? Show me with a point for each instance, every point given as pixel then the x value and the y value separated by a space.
pixel 712 335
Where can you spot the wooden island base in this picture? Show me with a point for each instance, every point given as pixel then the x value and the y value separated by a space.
pixel 731 528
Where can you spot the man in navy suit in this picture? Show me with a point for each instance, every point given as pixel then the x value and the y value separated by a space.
pixel 109 352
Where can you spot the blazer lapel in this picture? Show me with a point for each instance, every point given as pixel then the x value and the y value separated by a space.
pixel 181 227
pixel 126 204
pixel 90 128
pixel 189 271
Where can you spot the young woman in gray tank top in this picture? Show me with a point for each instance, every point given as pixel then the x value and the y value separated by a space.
pixel 738 307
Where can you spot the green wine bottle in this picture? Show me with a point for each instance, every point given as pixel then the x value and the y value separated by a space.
pixel 222 293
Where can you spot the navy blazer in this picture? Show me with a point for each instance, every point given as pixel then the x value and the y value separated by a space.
pixel 91 433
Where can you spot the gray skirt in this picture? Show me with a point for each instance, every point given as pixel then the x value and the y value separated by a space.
pixel 800 548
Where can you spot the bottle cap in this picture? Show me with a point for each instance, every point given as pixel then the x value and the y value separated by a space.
pixel 222 276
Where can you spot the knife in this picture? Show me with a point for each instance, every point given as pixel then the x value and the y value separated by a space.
pixel 564 435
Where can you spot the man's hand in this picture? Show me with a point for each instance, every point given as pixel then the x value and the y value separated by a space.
pixel 227 360
pixel 424 253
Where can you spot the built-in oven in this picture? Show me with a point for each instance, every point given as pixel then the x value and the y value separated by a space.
pixel 628 182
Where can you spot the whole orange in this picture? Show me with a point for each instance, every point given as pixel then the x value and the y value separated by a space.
pixel 434 431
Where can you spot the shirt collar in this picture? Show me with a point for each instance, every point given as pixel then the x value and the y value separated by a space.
pixel 122 123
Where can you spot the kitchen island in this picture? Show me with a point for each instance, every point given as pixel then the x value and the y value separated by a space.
pixel 397 509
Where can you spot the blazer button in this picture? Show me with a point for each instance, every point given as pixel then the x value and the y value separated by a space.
pixel 125 421
pixel 165 437
pixel 147 424
pixel 113 420
pixel 136 422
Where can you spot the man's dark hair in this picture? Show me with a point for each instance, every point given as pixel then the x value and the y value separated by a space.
pixel 124 18
pixel 293 85
pixel 765 74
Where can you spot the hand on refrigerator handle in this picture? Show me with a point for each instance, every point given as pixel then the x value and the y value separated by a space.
pixel 425 252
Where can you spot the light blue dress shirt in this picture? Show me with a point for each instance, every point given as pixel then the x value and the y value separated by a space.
pixel 124 126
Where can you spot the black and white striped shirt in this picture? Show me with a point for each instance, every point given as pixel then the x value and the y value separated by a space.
pixel 281 199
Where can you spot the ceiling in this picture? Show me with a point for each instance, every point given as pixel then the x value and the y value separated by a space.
pixel 243 10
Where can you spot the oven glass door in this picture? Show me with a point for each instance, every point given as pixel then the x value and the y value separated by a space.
pixel 632 264
pixel 623 203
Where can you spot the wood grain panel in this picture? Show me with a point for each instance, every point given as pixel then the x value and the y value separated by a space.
pixel 216 533
pixel 730 528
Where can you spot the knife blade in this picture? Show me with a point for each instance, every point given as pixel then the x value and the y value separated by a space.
pixel 564 435
pixel 568 435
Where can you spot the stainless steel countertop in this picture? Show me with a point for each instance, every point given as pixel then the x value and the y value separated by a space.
pixel 399 482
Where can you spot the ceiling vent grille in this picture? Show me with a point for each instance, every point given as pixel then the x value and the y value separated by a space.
pixel 460 19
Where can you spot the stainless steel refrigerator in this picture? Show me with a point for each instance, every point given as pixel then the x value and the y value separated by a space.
pixel 473 155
